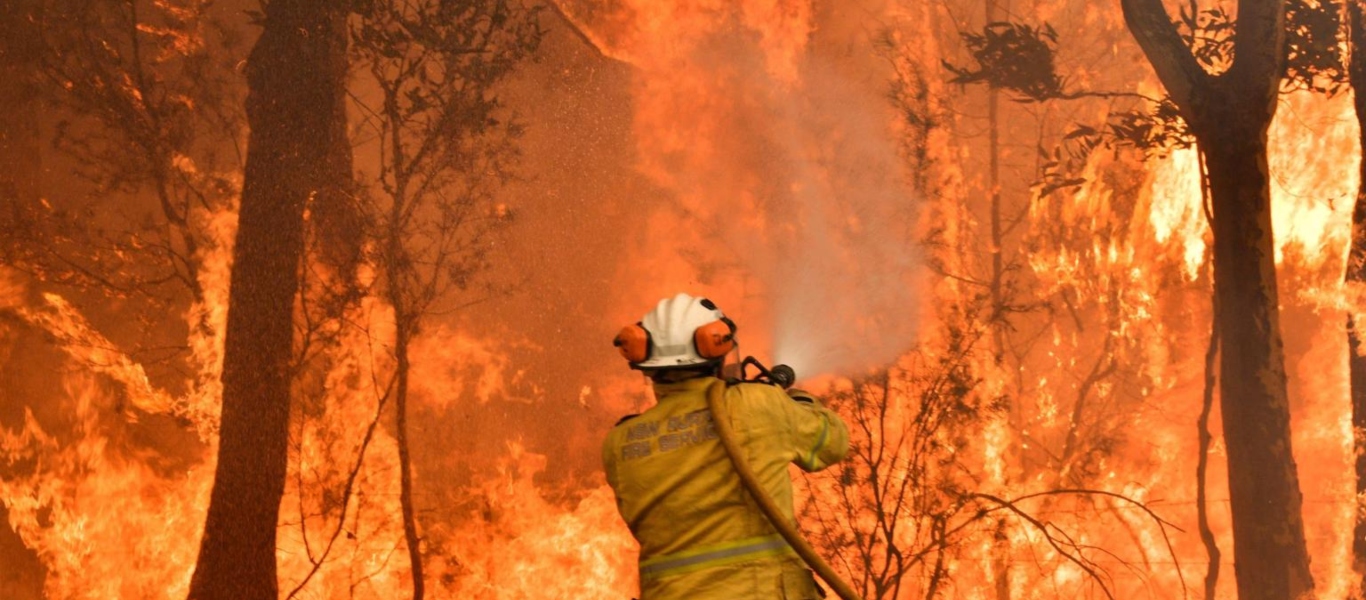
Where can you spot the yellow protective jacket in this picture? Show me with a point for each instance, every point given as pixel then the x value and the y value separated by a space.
pixel 701 535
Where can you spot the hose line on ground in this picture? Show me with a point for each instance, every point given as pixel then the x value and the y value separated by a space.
pixel 715 399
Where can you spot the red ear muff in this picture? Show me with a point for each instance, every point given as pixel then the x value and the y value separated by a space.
pixel 634 343
pixel 715 339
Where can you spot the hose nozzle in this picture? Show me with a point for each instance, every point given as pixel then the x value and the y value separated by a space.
pixel 780 375
pixel 783 376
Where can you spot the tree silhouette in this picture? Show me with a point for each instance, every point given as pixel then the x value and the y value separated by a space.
pixel 446 146
pixel 1229 113
pixel 297 151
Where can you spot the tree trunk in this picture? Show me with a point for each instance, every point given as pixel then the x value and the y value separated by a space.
pixel 407 315
pixel 1204 439
pixel 1229 114
pixel 1270 557
pixel 296 78
pixel 1356 273
pixel 1001 550
pixel 410 534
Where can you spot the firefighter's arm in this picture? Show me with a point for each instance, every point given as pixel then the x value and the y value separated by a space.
pixel 820 434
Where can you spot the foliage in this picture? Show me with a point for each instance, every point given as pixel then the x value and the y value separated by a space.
pixel 1061 455
pixel 146 102
pixel 1014 57
pixel 445 141
pixel 1314 47
pixel 146 112
pixel 909 501
pixel 425 90
pixel 1314 57
pixel 906 475
pixel 1210 35
pixel 1314 62
pixel 1022 59
pixel 1156 131
pixel 910 94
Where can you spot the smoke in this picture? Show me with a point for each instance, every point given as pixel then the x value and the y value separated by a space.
pixel 790 196
pixel 842 297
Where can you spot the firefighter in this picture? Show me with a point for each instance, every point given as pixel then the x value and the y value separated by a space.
pixel 702 536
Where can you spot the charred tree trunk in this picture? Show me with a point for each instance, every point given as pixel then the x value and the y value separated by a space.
pixel 296 77
pixel 1356 273
pixel 1230 114
pixel 398 266
pixel 1205 438
pixel 402 342
pixel 1271 560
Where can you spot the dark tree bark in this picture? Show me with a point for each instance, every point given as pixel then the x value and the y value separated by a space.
pixel 1356 273
pixel 1205 438
pixel 297 151
pixel 1229 115
pixel 402 344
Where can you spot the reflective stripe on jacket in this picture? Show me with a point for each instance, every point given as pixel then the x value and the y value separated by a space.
pixel 701 536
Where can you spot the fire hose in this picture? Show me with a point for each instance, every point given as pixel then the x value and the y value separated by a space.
pixel 715 401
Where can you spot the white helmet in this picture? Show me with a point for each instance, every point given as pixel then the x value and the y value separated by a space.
pixel 682 331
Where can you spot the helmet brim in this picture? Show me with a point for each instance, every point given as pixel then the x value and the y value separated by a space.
pixel 661 364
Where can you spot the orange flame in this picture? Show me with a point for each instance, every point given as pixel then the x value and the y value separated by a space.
pixel 777 183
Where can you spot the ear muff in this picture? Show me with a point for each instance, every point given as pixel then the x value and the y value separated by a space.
pixel 634 343
pixel 715 339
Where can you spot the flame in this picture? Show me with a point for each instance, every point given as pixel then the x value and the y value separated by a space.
pixel 1176 221
pixel 512 543
pixel 767 171
pixel 82 492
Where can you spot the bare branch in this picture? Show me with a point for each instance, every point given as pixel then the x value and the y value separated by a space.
pixel 1171 59
pixel 1060 546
